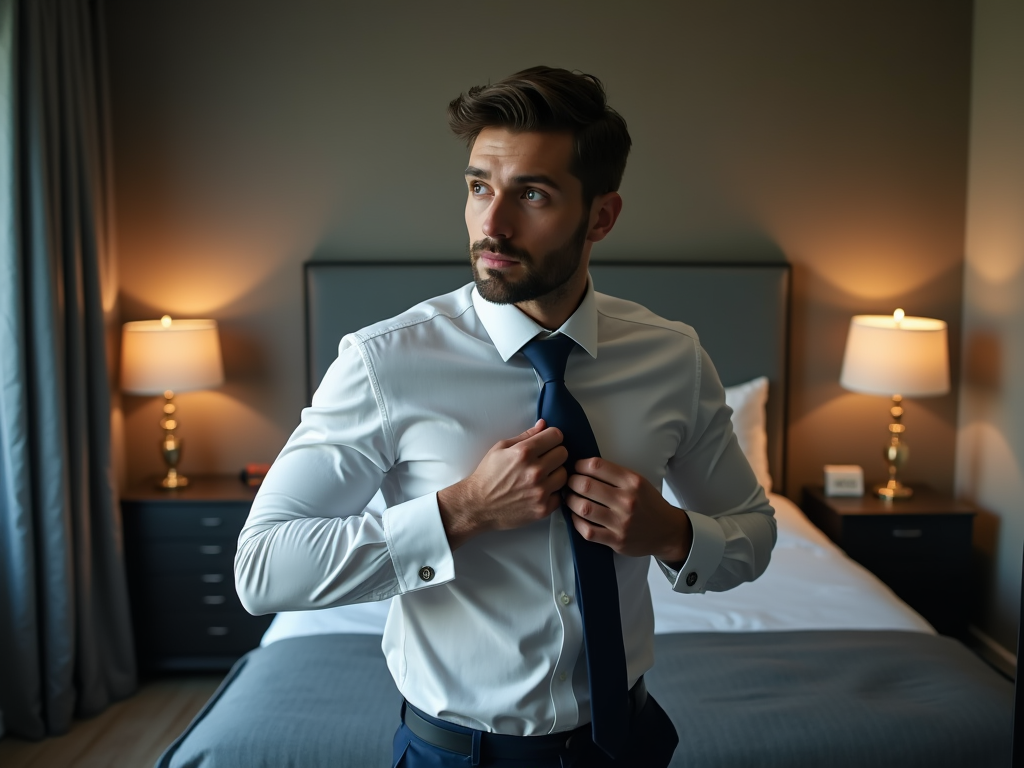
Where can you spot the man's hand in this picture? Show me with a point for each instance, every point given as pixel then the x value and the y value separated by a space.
pixel 517 482
pixel 617 507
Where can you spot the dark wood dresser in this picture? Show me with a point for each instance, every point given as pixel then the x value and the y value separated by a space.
pixel 920 547
pixel 180 548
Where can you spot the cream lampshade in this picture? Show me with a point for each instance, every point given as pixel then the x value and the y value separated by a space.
pixel 167 356
pixel 897 356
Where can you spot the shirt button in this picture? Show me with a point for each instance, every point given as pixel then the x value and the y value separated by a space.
pixel 562 677
pixel 426 573
pixel 565 598
pixel 691 578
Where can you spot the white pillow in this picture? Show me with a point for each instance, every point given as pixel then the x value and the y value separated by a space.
pixel 749 422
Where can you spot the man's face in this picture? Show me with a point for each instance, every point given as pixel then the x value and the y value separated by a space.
pixel 525 216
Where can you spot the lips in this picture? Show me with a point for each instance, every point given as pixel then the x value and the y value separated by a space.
pixel 493 260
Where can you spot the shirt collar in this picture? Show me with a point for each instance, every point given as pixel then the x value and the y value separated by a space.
pixel 510 328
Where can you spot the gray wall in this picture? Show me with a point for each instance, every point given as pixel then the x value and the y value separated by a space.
pixel 250 136
pixel 990 442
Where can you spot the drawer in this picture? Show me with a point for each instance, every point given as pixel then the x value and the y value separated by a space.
pixel 906 538
pixel 948 617
pixel 193 634
pixel 195 520
pixel 206 594
pixel 204 556
pixel 915 582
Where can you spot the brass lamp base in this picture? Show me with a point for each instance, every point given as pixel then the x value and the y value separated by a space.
pixel 173 480
pixel 896 454
pixel 894 490
pixel 170 446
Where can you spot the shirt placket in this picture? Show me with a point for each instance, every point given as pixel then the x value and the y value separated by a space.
pixel 563 594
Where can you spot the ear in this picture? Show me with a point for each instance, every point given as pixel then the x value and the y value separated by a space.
pixel 604 212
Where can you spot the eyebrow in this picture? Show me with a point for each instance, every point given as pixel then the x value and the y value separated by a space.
pixel 525 179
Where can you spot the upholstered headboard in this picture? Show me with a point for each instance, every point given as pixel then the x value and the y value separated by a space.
pixel 740 311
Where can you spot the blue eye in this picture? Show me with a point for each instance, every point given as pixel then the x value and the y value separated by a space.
pixel 534 195
pixel 478 189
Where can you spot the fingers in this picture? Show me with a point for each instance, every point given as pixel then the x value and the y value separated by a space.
pixel 544 441
pixel 596 533
pixel 538 427
pixel 604 498
pixel 537 440
pixel 607 472
pixel 591 488
pixel 555 460
pixel 555 480
pixel 554 501
pixel 591 511
pixel 607 483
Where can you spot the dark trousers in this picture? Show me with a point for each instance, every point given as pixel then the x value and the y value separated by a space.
pixel 652 740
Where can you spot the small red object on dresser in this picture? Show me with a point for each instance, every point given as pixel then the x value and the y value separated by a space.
pixel 253 474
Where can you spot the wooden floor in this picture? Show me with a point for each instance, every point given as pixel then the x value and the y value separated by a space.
pixel 129 734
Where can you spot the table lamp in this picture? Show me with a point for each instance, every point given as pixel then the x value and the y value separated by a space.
pixel 166 356
pixel 896 356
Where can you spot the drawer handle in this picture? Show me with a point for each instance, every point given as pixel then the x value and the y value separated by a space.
pixel 213 578
pixel 217 631
pixel 211 549
pixel 907 533
pixel 214 599
pixel 210 522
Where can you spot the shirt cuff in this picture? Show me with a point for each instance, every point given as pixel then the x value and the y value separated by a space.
pixel 705 555
pixel 418 544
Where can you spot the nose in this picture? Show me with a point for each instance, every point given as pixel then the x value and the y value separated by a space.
pixel 498 218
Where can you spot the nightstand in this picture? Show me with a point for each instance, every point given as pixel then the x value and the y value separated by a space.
pixel 180 549
pixel 920 547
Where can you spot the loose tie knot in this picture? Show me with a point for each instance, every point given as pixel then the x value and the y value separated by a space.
pixel 549 356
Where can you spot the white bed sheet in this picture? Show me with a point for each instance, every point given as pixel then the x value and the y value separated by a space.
pixel 810 584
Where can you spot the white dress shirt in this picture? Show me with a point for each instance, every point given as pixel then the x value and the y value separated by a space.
pixel 489 636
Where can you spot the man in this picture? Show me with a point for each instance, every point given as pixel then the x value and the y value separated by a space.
pixel 438 407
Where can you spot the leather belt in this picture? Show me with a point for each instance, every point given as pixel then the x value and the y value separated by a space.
pixel 499 745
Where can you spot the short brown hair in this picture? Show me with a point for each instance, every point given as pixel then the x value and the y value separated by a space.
pixel 548 99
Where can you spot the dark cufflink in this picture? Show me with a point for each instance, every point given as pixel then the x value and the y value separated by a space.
pixel 691 578
pixel 427 573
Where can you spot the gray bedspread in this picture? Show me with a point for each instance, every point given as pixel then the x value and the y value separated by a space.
pixel 793 699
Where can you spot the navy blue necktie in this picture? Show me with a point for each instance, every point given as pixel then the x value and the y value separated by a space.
pixel 596 587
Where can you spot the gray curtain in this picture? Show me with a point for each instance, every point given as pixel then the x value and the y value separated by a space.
pixel 65 633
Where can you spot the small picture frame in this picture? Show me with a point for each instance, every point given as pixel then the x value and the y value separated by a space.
pixel 844 480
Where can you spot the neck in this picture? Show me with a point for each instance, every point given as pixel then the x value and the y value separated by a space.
pixel 553 309
pixel 550 312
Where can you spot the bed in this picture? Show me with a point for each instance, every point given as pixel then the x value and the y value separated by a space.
pixel 815 663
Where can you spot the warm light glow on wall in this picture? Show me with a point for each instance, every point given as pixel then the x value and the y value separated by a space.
pixel 219 288
pixel 997 262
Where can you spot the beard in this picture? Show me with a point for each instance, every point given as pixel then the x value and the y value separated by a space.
pixel 557 266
